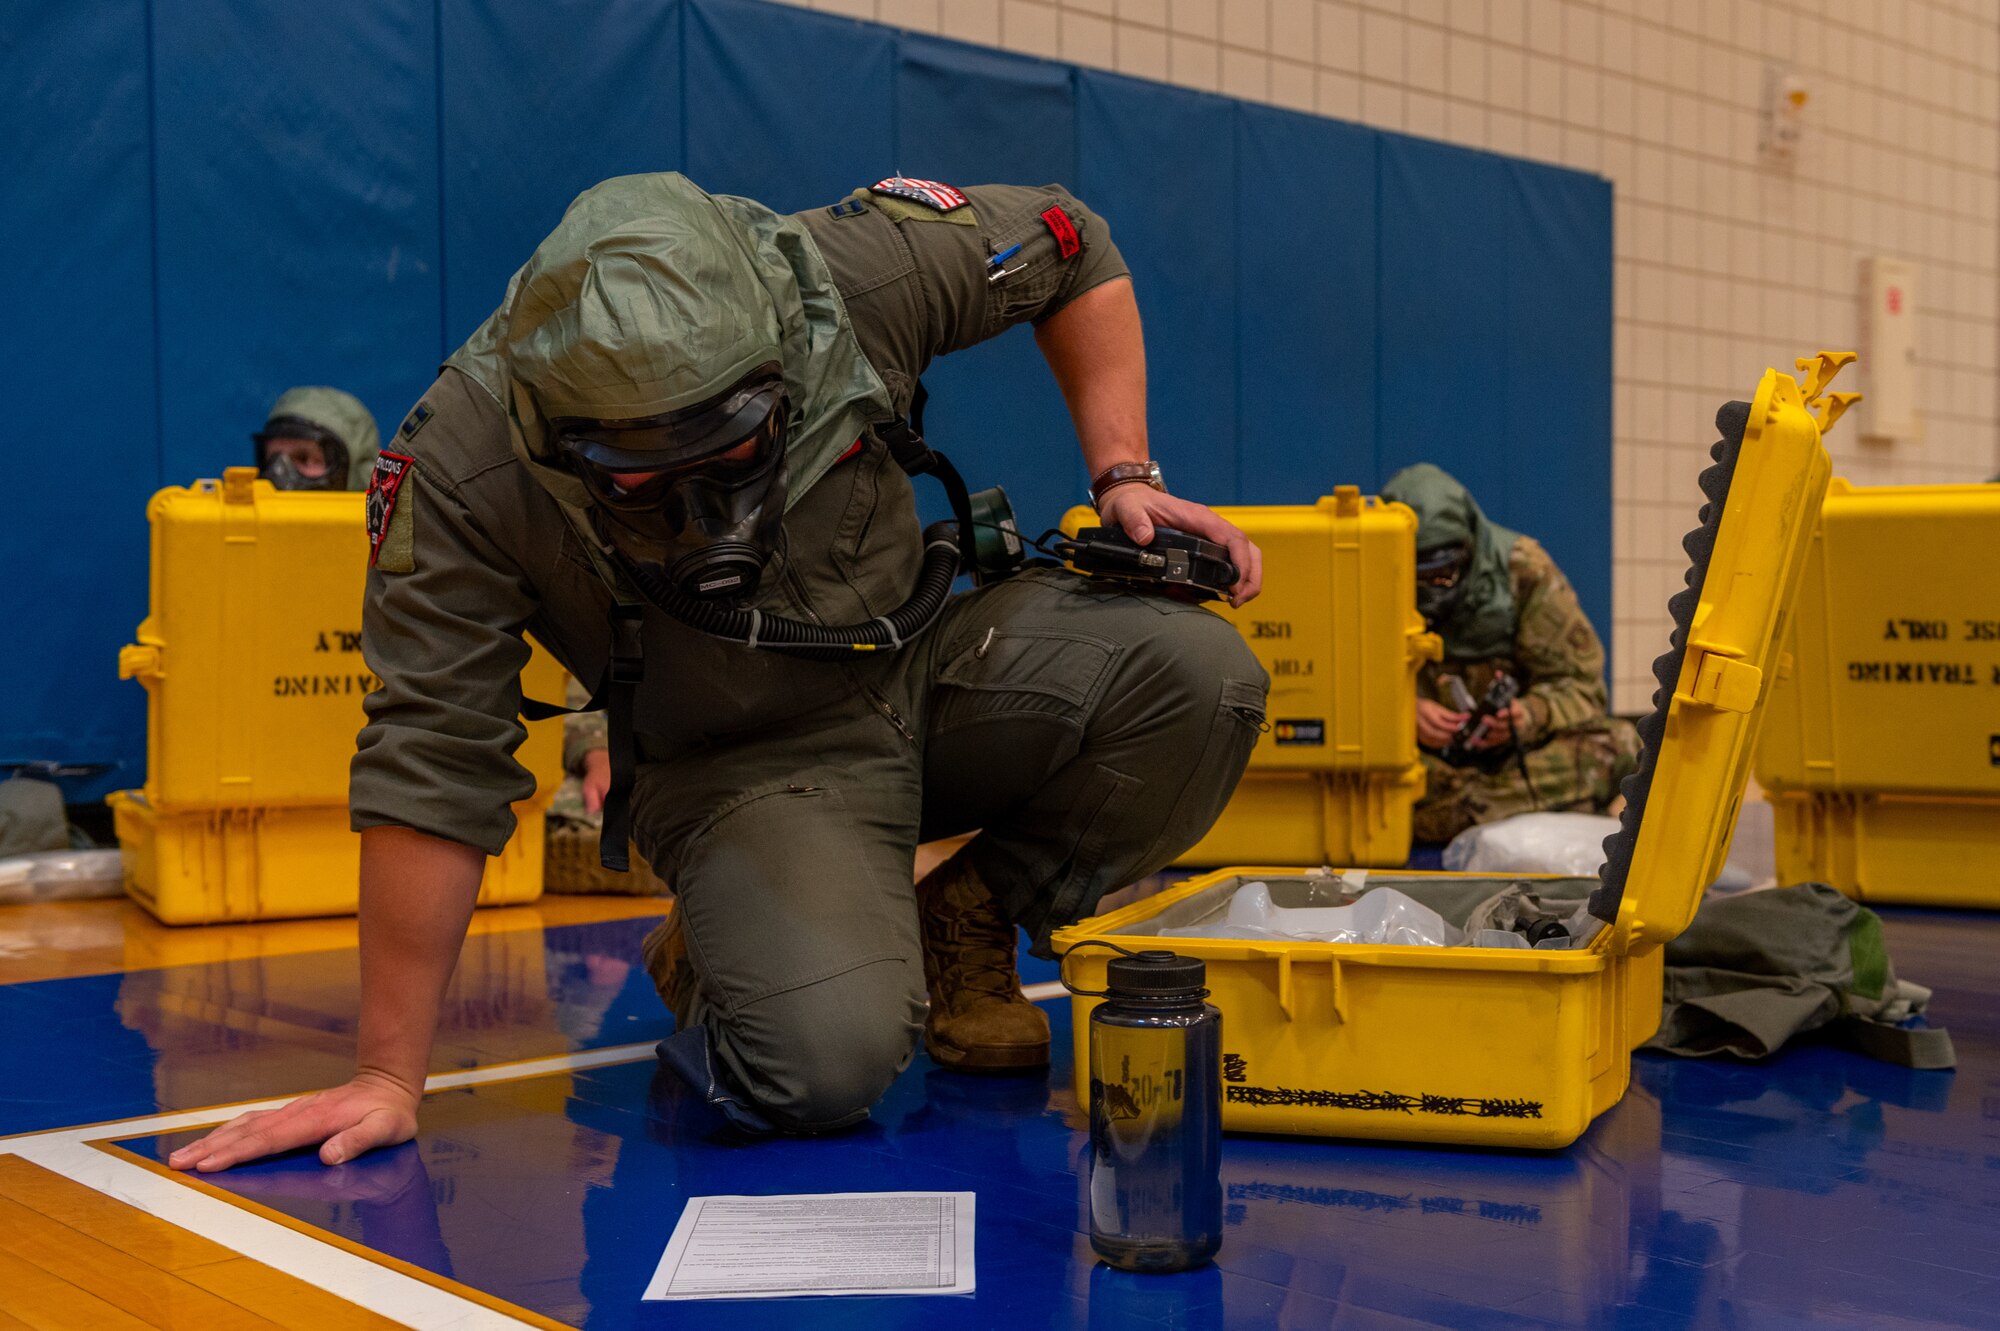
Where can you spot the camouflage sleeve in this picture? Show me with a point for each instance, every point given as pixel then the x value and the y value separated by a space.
pixel 444 637
pixel 582 732
pixel 1559 655
pixel 919 283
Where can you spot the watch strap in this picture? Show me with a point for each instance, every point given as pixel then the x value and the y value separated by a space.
pixel 1119 473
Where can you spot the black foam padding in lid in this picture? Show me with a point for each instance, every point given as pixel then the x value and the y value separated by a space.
pixel 1730 422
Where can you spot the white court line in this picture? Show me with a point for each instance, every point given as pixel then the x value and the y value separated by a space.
pixel 1036 993
pixel 339 1272
pixel 359 1280
pixel 437 1081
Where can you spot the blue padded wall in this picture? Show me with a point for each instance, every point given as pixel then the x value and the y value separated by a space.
pixel 1305 292
pixel 1161 162
pixel 539 100
pixel 296 217
pixel 1494 282
pixel 970 115
pixel 82 450
pixel 253 196
pixel 793 109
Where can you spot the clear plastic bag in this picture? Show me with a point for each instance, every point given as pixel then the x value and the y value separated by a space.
pixel 61 875
pixel 1571 844
pixel 1381 916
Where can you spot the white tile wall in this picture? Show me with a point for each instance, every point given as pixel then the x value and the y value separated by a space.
pixel 1725 264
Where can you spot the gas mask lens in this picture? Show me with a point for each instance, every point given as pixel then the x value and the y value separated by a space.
pixel 640 488
pixel 295 454
pixel 695 497
pixel 1440 578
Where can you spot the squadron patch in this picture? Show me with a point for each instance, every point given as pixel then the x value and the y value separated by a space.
pixel 929 193
pixel 385 484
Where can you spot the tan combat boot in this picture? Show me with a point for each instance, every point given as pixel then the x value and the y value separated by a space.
pixel 665 956
pixel 978 1022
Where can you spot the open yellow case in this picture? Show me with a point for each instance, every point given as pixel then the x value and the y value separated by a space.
pixel 1504 1047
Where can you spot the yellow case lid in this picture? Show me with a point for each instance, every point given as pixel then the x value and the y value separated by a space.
pixel 1747 561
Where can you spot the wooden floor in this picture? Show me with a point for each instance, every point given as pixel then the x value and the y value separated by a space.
pixel 70 1257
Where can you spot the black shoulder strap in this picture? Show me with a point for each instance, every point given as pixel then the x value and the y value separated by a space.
pixel 621 687
pixel 906 444
pixel 616 696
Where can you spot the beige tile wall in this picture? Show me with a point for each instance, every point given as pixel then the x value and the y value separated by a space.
pixel 1725 264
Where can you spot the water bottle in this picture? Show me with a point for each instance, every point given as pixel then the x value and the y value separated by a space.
pixel 1155 1115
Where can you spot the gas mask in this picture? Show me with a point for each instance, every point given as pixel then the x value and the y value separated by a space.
pixel 1441 581
pixel 694 497
pixel 284 473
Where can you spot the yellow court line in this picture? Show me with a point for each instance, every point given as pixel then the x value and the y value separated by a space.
pixel 314 1232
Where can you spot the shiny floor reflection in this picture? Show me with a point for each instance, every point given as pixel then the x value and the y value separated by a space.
pixel 99 1047
pixel 1821 1189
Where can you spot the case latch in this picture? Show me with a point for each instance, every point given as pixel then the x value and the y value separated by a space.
pixel 140 661
pixel 1726 684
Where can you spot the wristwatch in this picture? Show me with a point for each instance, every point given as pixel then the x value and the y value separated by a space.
pixel 1121 472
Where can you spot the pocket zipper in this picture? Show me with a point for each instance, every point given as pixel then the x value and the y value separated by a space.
pixel 895 718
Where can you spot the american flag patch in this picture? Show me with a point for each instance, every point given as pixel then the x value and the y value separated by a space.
pixel 927 192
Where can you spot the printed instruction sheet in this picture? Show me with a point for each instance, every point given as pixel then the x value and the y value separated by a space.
pixel 818 1243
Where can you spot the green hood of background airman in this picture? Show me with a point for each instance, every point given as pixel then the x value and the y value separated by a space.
pixel 1479 621
pixel 329 411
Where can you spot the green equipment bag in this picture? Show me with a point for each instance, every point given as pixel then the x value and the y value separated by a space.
pixel 1755 970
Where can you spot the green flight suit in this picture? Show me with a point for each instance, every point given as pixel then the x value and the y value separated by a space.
pixel 1093 733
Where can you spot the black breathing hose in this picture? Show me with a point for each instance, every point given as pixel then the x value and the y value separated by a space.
pixel 754 628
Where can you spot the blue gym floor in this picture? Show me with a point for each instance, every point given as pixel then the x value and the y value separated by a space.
pixel 1820 1189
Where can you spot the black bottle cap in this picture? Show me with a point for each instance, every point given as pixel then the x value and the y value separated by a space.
pixel 1157 974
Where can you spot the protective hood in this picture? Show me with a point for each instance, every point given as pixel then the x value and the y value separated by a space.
pixel 1480 623
pixel 341 415
pixel 652 295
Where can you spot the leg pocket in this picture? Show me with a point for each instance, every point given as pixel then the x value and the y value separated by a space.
pixel 1232 734
pixel 1007 712
pixel 1002 672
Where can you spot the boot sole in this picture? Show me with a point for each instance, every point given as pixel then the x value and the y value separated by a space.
pixel 1015 1058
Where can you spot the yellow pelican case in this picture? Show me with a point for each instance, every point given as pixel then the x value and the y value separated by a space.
pixel 1495 1047
pixel 1881 758
pixel 1334 776
pixel 251 661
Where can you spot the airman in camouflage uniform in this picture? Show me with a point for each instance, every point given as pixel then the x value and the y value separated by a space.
pixel 1512 610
